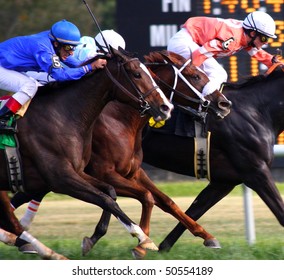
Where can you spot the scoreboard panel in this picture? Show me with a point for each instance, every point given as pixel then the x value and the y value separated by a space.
pixel 147 26
pixel 241 64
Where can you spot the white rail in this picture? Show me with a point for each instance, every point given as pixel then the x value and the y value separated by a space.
pixel 248 205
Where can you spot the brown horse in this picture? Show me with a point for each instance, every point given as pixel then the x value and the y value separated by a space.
pixel 55 135
pixel 117 154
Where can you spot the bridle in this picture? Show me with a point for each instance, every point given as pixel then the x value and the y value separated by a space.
pixel 141 99
pixel 204 103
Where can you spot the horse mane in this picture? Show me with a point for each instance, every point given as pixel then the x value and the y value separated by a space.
pixel 159 57
pixel 246 81
pixel 109 56
pixel 53 85
pixel 250 80
pixel 64 84
pixel 154 59
pixel 56 85
pixel 127 53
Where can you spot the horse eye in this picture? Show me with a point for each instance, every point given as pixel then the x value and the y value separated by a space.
pixel 137 75
pixel 196 77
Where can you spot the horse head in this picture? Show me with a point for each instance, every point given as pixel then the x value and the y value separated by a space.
pixel 188 93
pixel 143 89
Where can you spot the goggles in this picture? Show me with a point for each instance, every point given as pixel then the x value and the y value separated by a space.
pixel 68 48
pixel 263 38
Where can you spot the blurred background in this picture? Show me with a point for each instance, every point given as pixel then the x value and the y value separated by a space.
pixel 22 17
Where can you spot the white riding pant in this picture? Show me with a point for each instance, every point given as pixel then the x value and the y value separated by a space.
pixel 183 44
pixel 42 77
pixel 23 86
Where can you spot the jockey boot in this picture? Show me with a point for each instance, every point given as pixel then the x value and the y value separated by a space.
pixel 8 110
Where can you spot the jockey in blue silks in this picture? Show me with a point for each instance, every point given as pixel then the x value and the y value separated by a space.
pixel 42 52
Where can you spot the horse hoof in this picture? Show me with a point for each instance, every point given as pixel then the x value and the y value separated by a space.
pixel 212 243
pixel 87 245
pixel 138 253
pixel 27 248
pixel 148 244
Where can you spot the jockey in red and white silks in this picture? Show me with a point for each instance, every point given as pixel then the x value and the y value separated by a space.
pixel 202 39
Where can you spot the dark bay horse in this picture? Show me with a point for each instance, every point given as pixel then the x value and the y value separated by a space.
pixel 241 148
pixel 117 154
pixel 55 134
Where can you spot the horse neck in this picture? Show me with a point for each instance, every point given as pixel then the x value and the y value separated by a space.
pixel 264 98
pixel 128 116
pixel 77 102
pixel 91 97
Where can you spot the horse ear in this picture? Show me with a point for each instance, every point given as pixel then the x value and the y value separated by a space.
pixel 170 57
pixel 111 49
pixel 120 54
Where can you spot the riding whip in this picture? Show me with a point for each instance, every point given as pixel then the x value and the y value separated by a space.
pixel 96 22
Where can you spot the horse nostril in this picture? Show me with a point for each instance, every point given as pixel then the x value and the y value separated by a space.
pixel 164 108
pixel 225 104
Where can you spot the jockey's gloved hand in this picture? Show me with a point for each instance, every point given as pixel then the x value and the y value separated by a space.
pixel 278 58
pixel 101 56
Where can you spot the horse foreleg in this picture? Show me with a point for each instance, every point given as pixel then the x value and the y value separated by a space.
pixel 144 241
pixel 43 251
pixel 93 191
pixel 207 198
pixel 7 237
pixel 88 242
pixel 263 184
pixel 126 188
pixel 101 229
pixel 169 206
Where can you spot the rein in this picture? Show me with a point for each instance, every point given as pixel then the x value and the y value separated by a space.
pixel 144 105
pixel 273 67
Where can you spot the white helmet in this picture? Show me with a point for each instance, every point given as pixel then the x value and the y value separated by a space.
pixel 260 22
pixel 112 38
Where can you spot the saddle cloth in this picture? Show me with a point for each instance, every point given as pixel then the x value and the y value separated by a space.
pixel 182 124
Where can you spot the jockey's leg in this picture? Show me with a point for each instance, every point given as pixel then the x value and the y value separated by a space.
pixel 215 72
pixel 24 87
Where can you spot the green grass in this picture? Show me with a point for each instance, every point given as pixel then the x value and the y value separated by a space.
pixel 62 222
pixel 179 189
pixel 107 250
